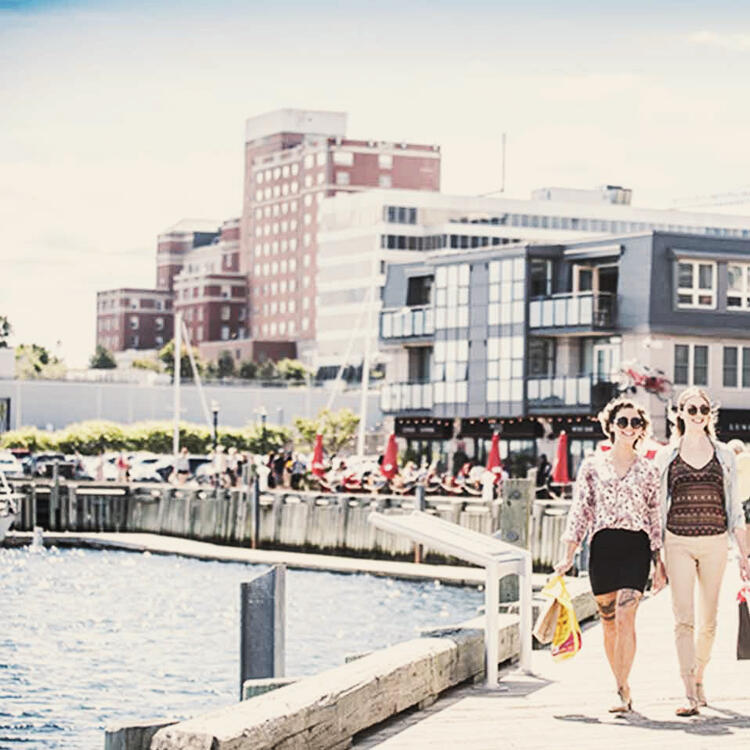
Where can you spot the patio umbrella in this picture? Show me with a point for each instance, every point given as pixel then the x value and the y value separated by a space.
pixel 560 470
pixel 493 459
pixel 389 467
pixel 317 460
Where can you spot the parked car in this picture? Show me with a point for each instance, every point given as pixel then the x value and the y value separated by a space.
pixel 10 465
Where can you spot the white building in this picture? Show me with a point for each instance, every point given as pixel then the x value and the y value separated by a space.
pixel 359 234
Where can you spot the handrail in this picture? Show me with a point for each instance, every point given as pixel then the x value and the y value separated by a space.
pixel 499 558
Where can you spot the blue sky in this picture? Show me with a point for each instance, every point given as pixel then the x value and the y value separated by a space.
pixel 121 118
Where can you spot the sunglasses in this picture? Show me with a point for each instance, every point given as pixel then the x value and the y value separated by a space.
pixel 635 422
pixel 692 410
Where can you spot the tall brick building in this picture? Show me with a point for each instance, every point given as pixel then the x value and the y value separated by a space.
pixel 250 282
pixel 293 158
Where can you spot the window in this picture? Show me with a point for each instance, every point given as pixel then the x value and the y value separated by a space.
pixel 343 158
pixel 696 284
pixel 505 358
pixel 450 371
pixel 385 161
pixel 690 364
pixel 159 340
pixel 541 278
pixel 342 178
pixel 736 367
pixel 225 312
pixel 309 161
pixel 224 333
pixel 134 322
pixel 320 158
pixel 452 296
pixel 506 291
pixel 159 324
pixel 738 286
pixel 384 181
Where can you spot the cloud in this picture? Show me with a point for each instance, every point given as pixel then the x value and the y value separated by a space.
pixel 737 42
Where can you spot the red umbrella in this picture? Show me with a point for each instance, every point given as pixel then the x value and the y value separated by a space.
pixel 317 460
pixel 493 459
pixel 560 471
pixel 389 467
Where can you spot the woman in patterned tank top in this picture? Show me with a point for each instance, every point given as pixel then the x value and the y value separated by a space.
pixel 700 508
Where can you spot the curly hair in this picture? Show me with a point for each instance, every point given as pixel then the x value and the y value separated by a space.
pixel 678 423
pixel 608 415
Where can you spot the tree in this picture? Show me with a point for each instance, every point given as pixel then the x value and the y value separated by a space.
pixel 166 355
pixel 292 369
pixel 337 428
pixel 225 364
pixel 34 361
pixel 248 370
pixel 102 359
pixel 5 331
pixel 267 370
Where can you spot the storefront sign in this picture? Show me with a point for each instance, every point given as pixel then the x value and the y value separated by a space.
pixel 435 429
pixel 734 423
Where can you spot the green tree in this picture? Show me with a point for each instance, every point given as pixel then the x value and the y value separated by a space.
pixel 248 370
pixel 292 369
pixel 166 355
pixel 35 362
pixel 5 331
pixel 225 367
pixel 102 359
pixel 147 364
pixel 267 370
pixel 337 428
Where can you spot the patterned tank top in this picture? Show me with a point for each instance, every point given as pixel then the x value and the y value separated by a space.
pixel 697 507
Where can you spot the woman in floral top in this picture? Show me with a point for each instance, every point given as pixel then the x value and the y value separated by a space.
pixel 616 502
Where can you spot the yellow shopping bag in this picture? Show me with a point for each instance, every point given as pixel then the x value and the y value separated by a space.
pixel 566 641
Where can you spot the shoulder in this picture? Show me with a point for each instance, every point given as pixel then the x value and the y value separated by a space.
pixel 725 453
pixel 665 455
pixel 591 465
pixel 648 467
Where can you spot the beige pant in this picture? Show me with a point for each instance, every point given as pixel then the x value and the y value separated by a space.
pixel 689 558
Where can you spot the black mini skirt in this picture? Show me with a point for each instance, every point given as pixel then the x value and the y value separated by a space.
pixel 619 559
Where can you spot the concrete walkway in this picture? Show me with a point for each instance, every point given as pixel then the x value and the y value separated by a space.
pixel 565 704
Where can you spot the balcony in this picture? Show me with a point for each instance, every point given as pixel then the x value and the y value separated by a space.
pixel 397 397
pixel 573 313
pixel 582 393
pixel 407 322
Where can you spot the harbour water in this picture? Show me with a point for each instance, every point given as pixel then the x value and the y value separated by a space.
pixel 90 638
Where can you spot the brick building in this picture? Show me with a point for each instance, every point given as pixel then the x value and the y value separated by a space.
pixel 134 319
pixel 293 159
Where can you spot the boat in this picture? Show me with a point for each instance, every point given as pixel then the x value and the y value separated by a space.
pixel 9 506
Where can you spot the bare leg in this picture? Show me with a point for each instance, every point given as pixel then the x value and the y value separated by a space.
pixel 627 606
pixel 607 604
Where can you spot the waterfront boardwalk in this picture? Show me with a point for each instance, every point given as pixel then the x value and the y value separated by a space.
pixel 564 705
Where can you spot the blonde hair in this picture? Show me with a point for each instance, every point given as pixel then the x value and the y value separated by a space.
pixel 608 414
pixel 679 423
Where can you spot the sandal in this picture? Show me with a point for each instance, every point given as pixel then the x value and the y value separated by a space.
pixel 692 709
pixel 625 705
pixel 700 693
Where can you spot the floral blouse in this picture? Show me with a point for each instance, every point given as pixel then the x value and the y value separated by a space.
pixel 602 500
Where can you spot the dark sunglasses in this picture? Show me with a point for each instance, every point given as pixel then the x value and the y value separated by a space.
pixel 692 410
pixel 635 422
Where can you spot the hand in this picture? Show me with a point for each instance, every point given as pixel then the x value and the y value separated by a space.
pixel 660 577
pixel 563 566
pixel 744 568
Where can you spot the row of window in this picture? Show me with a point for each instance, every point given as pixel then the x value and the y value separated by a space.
pixel 697 284
pixel 440 241
pixel 283 266
pixel 281 329
pixel 276 173
pixel 277 209
pixel 135 304
pixel 600 225
pixel 400 214
pixel 274 229
pixel 691 362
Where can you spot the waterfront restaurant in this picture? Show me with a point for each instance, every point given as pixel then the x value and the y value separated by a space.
pixel 529 340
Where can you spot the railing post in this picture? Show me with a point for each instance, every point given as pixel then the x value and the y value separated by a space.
pixel 491 607
pixel 525 613
pixel 255 510
pixel 54 499
pixel 420 505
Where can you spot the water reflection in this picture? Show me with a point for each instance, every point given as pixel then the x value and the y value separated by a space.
pixel 96 637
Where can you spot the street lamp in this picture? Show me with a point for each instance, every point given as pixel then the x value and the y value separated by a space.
pixel 215 413
pixel 263 414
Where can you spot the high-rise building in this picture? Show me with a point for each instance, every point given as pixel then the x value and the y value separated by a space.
pixel 293 159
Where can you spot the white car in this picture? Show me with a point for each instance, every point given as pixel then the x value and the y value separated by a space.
pixel 10 465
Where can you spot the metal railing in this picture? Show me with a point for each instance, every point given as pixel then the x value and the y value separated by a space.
pixel 582 310
pixel 407 322
pixel 569 391
pixel 405 396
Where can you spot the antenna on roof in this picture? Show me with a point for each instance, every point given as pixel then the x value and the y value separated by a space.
pixel 502 187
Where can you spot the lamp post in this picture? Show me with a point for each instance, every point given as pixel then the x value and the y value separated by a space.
pixel 263 414
pixel 215 413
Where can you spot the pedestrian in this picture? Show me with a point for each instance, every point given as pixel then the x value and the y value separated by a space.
pixel 182 466
pixel 233 467
pixel 543 477
pixel 701 508
pixel 616 502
